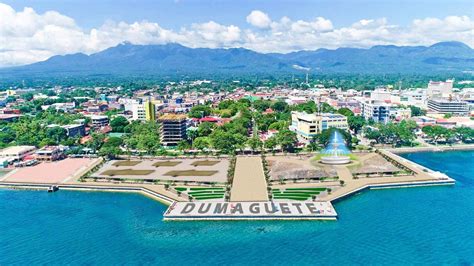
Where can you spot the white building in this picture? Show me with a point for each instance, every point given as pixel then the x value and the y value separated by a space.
pixel 99 121
pixel 138 112
pixel 306 126
pixel 448 106
pixel 381 95
pixel 416 97
pixel 440 88
pixel 376 111
pixel 17 152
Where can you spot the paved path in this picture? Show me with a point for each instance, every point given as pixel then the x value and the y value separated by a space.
pixel 249 180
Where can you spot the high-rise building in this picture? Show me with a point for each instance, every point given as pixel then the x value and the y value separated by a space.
pixel 144 111
pixel 173 129
pixel 138 112
pixel 376 111
pixel 150 111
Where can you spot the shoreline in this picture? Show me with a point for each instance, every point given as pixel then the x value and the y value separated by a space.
pixel 442 148
pixel 141 190
pixel 427 177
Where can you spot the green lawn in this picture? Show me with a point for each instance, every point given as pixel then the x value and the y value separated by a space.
pixel 203 193
pixel 296 193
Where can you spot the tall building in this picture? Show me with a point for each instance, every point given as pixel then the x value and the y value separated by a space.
pixel 376 111
pixel 138 112
pixel 448 106
pixel 144 111
pixel 150 111
pixel 173 129
pixel 440 88
pixel 307 126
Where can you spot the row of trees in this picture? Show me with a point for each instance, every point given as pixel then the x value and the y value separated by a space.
pixel 397 134
pixel 439 133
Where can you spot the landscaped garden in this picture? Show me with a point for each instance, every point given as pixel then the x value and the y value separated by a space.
pixel 296 193
pixel 203 193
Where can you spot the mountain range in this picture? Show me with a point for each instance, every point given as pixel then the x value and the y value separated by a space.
pixel 168 59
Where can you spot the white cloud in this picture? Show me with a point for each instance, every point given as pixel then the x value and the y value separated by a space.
pixel 26 36
pixel 259 19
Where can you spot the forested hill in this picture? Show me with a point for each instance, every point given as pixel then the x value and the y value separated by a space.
pixel 170 59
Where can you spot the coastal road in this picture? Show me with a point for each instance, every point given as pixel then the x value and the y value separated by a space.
pixel 249 180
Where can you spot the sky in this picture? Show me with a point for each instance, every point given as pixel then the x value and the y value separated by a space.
pixel 35 30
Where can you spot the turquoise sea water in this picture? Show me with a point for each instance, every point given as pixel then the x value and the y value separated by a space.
pixel 430 225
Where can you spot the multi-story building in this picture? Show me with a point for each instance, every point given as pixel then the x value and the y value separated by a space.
pixel 17 152
pixel 173 129
pixel 49 153
pixel 400 113
pixel 138 112
pixel 99 121
pixel 75 130
pixel 307 126
pixel 448 106
pixel 150 111
pixel 439 88
pixel 376 111
pixel 416 97
pixel 144 111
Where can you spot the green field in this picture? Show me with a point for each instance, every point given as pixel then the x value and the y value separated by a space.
pixel 203 193
pixel 296 193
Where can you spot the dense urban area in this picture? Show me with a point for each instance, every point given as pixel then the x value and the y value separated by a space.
pixel 203 116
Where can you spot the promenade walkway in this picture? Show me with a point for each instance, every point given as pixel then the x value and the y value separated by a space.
pixel 249 180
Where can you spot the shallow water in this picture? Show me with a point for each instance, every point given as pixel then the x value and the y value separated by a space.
pixel 429 225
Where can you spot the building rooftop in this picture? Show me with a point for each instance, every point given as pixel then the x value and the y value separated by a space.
pixel 16 149
pixel 173 117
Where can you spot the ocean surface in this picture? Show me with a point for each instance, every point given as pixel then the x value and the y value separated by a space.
pixel 429 225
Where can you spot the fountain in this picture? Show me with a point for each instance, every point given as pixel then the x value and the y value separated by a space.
pixel 336 150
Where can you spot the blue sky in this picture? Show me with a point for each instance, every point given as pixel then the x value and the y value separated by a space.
pixel 32 31
pixel 175 14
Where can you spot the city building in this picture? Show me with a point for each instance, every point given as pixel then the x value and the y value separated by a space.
pixel 49 153
pixel 376 111
pixel 75 130
pixel 381 95
pixel 173 129
pixel 17 152
pixel 306 126
pixel 138 112
pixel 416 97
pixel 150 111
pixel 144 111
pixel 448 106
pixel 439 88
pixel 400 113
pixel 99 121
